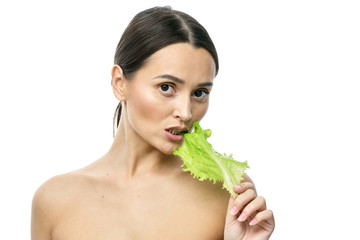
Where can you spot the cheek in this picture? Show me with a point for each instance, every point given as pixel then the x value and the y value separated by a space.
pixel 199 111
pixel 145 107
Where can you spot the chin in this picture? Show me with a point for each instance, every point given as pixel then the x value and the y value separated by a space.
pixel 168 149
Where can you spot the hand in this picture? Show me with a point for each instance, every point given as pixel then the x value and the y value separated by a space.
pixel 247 216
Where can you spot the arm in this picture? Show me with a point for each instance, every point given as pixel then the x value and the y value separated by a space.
pixel 41 219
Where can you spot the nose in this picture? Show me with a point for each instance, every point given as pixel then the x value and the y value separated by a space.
pixel 182 109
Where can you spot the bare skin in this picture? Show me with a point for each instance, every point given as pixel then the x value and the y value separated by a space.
pixel 137 190
pixel 95 203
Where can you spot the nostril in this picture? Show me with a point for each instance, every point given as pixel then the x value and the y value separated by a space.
pixel 182 110
pixel 184 117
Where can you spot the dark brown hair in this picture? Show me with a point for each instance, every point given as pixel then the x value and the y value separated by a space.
pixel 153 29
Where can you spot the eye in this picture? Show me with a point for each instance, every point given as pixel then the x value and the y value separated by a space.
pixel 201 94
pixel 167 89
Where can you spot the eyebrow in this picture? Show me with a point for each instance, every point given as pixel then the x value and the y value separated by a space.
pixel 178 80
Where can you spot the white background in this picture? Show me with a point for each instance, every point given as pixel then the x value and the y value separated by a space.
pixel 286 99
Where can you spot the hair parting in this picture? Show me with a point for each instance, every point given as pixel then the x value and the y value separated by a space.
pixel 152 30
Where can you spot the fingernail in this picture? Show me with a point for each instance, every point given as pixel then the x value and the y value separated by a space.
pixel 238 188
pixel 253 222
pixel 242 217
pixel 234 210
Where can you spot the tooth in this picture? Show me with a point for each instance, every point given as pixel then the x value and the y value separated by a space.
pixel 173 131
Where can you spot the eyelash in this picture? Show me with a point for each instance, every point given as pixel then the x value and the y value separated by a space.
pixel 205 93
pixel 169 86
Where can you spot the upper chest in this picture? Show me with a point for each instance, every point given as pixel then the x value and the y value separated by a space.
pixel 153 210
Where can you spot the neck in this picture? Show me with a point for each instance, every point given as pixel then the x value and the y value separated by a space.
pixel 132 156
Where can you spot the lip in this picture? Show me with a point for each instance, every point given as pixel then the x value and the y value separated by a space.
pixel 178 128
pixel 175 137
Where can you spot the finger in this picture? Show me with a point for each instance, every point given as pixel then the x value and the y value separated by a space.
pixel 239 188
pixel 242 187
pixel 256 205
pixel 266 215
pixel 242 200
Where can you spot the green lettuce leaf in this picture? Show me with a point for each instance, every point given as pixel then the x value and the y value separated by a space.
pixel 203 162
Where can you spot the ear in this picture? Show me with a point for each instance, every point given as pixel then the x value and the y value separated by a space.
pixel 118 83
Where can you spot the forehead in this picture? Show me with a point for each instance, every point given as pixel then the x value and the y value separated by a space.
pixel 182 60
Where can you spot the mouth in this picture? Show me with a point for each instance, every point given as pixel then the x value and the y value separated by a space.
pixel 177 132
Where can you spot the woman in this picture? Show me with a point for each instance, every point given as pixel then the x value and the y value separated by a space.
pixel 165 64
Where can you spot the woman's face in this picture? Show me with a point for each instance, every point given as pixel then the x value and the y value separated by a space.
pixel 168 94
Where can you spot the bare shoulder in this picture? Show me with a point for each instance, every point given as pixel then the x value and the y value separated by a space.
pixel 49 201
pixel 53 191
pixel 211 195
pixel 219 195
pixel 247 179
pixel 58 187
pixel 209 188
